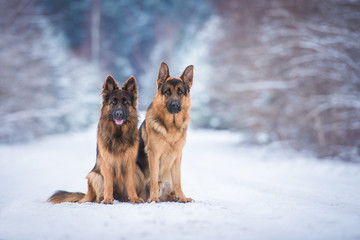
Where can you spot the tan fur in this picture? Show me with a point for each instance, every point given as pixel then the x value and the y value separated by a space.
pixel 164 136
pixel 115 174
pixel 71 197
pixel 110 168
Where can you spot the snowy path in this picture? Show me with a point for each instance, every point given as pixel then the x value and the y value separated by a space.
pixel 240 193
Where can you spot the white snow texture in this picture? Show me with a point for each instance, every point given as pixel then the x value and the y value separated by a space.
pixel 241 192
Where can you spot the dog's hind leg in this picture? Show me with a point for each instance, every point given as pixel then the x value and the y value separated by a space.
pixel 95 191
pixel 139 183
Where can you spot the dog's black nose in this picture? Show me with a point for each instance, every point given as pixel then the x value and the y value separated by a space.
pixel 173 107
pixel 119 114
pixel 175 104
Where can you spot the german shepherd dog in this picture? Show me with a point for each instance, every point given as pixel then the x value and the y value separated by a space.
pixel 163 135
pixel 115 174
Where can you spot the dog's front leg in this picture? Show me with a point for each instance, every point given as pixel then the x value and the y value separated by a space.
pixel 108 185
pixel 176 178
pixel 154 176
pixel 130 184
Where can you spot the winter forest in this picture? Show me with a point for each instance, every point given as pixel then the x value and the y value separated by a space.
pixel 273 71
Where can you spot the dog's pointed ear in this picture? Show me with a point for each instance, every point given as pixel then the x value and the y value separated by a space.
pixel 163 74
pixel 131 87
pixel 187 75
pixel 110 85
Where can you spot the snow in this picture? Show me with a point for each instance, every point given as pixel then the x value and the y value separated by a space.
pixel 241 192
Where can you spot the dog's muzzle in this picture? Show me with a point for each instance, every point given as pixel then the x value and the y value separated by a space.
pixel 119 117
pixel 173 107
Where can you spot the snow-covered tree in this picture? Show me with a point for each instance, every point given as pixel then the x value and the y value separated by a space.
pixel 44 87
pixel 289 71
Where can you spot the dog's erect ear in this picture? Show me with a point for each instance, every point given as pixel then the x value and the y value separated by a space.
pixel 163 74
pixel 110 84
pixel 187 75
pixel 130 86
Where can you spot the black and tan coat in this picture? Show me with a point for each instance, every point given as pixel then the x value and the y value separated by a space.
pixel 163 136
pixel 115 174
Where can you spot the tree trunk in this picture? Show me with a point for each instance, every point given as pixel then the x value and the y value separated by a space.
pixel 95 30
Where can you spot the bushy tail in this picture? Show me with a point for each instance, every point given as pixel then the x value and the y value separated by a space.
pixel 63 196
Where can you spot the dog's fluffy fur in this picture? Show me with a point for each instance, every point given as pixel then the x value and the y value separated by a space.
pixel 115 174
pixel 163 135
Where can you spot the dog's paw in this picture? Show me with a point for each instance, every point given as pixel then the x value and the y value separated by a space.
pixel 136 200
pixel 153 199
pixel 107 201
pixel 185 200
pixel 172 197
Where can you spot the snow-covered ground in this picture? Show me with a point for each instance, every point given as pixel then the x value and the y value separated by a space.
pixel 241 192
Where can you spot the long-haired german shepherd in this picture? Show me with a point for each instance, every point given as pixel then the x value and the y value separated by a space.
pixel 163 135
pixel 115 174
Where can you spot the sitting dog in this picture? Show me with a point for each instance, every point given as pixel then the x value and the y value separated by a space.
pixel 115 174
pixel 163 135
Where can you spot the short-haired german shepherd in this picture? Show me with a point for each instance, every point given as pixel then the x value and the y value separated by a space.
pixel 163 135
pixel 115 174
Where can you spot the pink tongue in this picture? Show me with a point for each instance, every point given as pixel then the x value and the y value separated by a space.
pixel 119 121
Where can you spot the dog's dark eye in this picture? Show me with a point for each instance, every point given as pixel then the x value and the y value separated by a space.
pixel 180 92
pixel 168 92
pixel 124 101
pixel 114 102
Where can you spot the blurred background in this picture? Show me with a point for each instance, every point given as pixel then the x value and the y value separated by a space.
pixel 275 71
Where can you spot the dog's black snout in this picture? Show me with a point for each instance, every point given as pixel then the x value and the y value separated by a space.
pixel 175 104
pixel 119 114
pixel 173 107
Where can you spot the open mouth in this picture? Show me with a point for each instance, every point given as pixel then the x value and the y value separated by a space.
pixel 119 121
